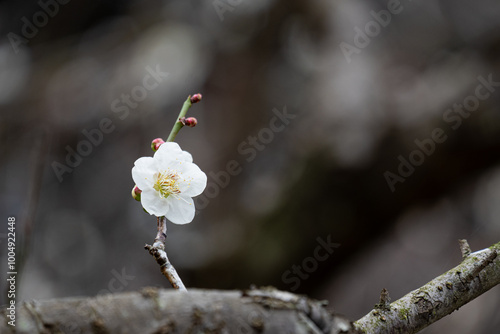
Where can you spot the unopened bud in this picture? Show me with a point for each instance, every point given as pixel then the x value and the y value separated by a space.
pixel 190 121
pixel 196 98
pixel 136 193
pixel 156 143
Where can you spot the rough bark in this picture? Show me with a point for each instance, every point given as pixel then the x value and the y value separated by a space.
pixel 266 310
pixel 478 272
pixel 170 311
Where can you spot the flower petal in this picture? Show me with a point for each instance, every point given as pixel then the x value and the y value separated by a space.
pixel 186 156
pixel 193 181
pixel 153 203
pixel 168 151
pixel 181 209
pixel 143 171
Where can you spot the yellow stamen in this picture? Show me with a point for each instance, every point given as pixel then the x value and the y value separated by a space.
pixel 166 184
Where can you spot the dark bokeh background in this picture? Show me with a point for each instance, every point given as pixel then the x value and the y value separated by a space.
pixel 319 178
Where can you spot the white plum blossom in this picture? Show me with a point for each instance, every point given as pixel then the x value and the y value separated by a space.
pixel 168 181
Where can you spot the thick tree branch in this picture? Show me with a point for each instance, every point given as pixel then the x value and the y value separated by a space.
pixel 478 272
pixel 255 311
pixel 266 311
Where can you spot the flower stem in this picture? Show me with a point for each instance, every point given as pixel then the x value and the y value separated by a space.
pixel 178 124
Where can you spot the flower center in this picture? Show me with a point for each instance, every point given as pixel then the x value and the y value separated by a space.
pixel 166 184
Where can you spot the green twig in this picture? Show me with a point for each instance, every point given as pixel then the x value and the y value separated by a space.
pixel 178 124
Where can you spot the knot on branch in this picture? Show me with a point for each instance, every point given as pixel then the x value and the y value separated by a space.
pixel 385 301
pixel 464 248
pixel 156 252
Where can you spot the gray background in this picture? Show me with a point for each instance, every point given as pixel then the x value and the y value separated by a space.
pixel 319 177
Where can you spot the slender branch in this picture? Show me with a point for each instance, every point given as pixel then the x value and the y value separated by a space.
pixel 478 273
pixel 158 252
pixel 178 124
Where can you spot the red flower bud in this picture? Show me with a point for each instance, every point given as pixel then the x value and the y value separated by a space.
pixel 196 98
pixel 156 143
pixel 136 193
pixel 190 121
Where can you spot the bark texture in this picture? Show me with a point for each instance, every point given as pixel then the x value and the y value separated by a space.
pixel 169 311
pixel 478 272
pixel 266 310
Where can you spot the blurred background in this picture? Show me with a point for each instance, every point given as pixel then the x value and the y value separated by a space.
pixel 348 144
